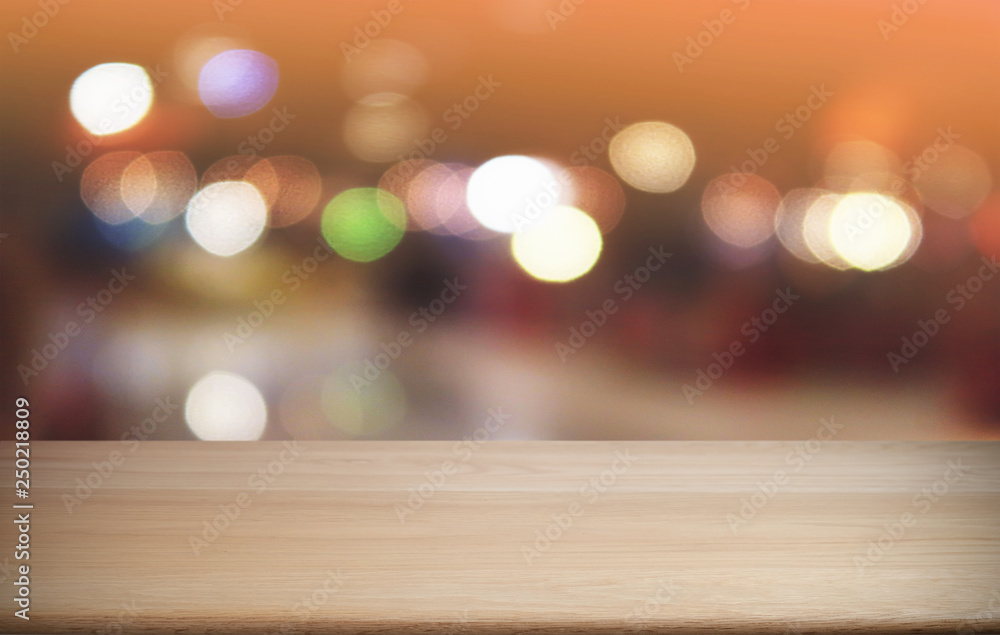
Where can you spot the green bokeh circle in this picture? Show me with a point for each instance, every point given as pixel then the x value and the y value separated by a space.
pixel 363 224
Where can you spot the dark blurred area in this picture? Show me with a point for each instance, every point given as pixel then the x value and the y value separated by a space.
pixel 593 219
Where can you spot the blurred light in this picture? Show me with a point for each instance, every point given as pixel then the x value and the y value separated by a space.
pixel 291 187
pixel 652 156
pixel 225 407
pixel 381 127
pixel 871 165
pixel 838 185
pixel 870 231
pixel 816 231
pixel 101 187
pixel 598 194
pixel 559 247
pixel 196 47
pixel 237 82
pixel 157 186
pixel 109 98
pixel 435 199
pixel 916 235
pixel 509 193
pixel 232 168
pixel 387 66
pixel 139 185
pixel 740 208
pixel 398 179
pixel 226 217
pixel 358 406
pixel 363 224
pixel 422 196
pixel 984 226
pixel 789 221
pixel 898 188
pixel 453 207
pixel 955 182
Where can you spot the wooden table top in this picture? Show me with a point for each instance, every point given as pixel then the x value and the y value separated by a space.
pixel 504 537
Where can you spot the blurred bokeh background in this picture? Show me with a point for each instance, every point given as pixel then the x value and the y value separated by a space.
pixel 502 219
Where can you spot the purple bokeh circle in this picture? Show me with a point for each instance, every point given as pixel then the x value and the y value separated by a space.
pixel 237 82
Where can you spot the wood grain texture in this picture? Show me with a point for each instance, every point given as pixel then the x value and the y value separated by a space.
pixel 642 537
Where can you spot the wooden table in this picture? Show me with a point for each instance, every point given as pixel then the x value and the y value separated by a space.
pixel 504 537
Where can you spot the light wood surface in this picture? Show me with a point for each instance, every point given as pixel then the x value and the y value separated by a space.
pixel 322 548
